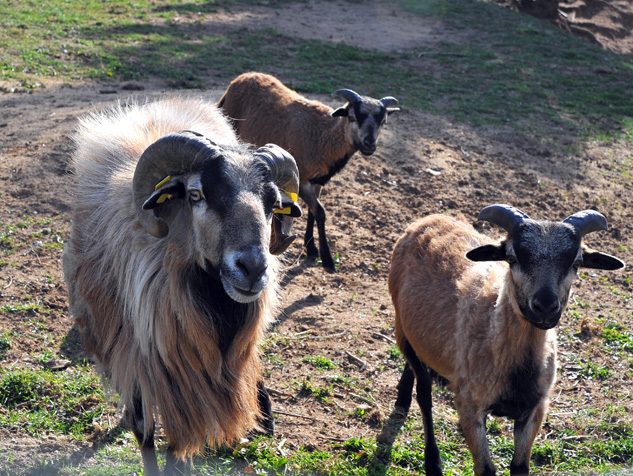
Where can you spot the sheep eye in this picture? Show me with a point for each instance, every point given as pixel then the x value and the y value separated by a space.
pixel 195 195
pixel 577 264
pixel 511 259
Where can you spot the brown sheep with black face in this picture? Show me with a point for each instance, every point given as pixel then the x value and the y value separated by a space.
pixel 482 316
pixel 320 138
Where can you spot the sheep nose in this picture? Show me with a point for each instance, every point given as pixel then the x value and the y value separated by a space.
pixel 369 143
pixel 545 304
pixel 252 265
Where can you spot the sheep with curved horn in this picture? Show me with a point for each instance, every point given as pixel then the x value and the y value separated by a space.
pixel 320 138
pixel 482 316
pixel 170 275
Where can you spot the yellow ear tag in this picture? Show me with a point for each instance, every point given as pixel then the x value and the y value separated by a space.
pixel 162 182
pixel 164 196
pixel 286 210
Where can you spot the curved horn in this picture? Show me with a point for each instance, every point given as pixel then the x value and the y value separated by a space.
pixel 284 170
pixel 389 101
pixel 587 221
pixel 348 94
pixel 171 155
pixel 504 216
pixel 286 176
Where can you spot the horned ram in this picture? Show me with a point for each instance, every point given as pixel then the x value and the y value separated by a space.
pixel 482 316
pixel 321 139
pixel 170 278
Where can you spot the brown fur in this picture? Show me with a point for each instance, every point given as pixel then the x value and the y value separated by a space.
pixel 129 293
pixel 264 110
pixel 459 317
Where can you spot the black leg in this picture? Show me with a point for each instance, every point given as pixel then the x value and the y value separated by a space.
pixel 424 388
pixel 324 248
pixel 308 238
pixel 145 441
pixel 173 465
pixel 405 388
pixel 266 421
pixel 519 470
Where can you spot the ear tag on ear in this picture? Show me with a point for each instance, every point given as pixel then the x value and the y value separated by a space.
pixel 164 196
pixel 162 182
pixel 286 210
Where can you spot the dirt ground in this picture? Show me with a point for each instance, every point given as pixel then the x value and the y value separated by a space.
pixel 424 164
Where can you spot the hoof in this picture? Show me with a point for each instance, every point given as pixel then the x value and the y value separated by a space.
pixel 330 268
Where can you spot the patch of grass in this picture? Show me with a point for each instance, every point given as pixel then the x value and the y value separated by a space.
pixel 28 306
pixel 5 343
pixel 320 393
pixel 595 371
pixel 528 75
pixel 617 336
pixel 322 363
pixel 42 401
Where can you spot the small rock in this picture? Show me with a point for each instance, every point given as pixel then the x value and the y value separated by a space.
pixel 435 173
pixel 133 87
pixel 57 364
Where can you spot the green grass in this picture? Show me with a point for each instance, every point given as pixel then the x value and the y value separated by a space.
pixel 41 401
pixel 514 71
pixel 322 363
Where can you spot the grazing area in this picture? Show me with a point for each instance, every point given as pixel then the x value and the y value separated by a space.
pixel 495 107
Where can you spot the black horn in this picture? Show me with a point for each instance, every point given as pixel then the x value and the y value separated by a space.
pixel 504 216
pixel 389 101
pixel 286 176
pixel 348 94
pixel 167 158
pixel 587 221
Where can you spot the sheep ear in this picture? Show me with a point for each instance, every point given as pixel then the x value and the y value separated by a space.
pixel 487 253
pixel 598 260
pixel 340 112
pixel 171 189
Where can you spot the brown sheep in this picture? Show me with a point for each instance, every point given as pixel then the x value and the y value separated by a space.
pixel 482 316
pixel 169 273
pixel 320 138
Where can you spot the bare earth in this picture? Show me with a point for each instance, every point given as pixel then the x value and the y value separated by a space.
pixel 425 164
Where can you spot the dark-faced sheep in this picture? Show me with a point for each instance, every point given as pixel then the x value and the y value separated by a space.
pixel 169 273
pixel 483 325
pixel 320 138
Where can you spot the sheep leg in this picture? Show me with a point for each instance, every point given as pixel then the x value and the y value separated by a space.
pixel 525 432
pixel 266 420
pixel 405 388
pixel 174 466
pixel 424 388
pixel 146 442
pixel 308 239
pixel 310 194
pixel 473 424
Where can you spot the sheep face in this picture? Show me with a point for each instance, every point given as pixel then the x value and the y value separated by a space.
pixel 231 224
pixel 544 258
pixel 365 117
pixel 220 206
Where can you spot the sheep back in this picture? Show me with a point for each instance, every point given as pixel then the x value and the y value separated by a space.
pixel 262 110
pixel 149 316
